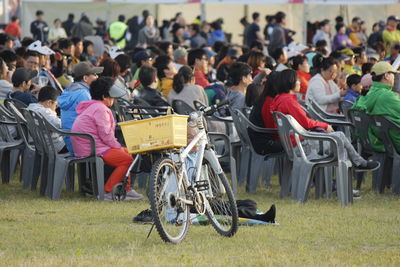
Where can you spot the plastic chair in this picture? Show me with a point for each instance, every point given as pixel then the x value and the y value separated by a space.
pixel 304 168
pixel 182 107
pixel 60 166
pixel 386 127
pixel 256 161
pixel 314 105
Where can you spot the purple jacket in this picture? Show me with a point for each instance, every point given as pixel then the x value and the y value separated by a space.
pixel 96 119
pixel 341 40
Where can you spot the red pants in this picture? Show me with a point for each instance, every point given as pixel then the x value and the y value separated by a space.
pixel 121 160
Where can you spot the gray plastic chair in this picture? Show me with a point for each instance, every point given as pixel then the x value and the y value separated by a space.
pixel 393 157
pixel 60 166
pixel 314 105
pixel 304 168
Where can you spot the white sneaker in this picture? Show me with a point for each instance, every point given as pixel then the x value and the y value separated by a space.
pixel 133 195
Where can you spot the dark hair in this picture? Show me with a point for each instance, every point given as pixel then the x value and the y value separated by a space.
pixel 237 71
pixel 280 16
pixel 100 88
pixel 184 75
pixel 323 23
pixel 121 18
pixel 163 46
pixel 14 18
pixel 147 75
pixel 39 13
pixel 269 62
pixel 297 61
pixel 255 15
pixel 195 27
pixel 353 79
pixel 86 44
pixel 64 43
pixel 286 82
pixel 257 44
pixel 124 62
pixel 253 93
pixel 8 56
pixel 277 53
pixel 339 19
pixel 395 46
pixel 323 63
pixel 21 51
pixel 377 78
pixel 255 58
pixel 195 54
pixel 111 67
pixel 161 64
pixel 26 41
pixel 216 25
pixel 48 93
pixel 366 68
pixel 321 43
pixel 339 26
pixel 270 85
pixel 76 40
pixel 355 19
pixel 71 16
pixel 30 53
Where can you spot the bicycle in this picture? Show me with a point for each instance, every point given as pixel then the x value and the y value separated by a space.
pixel 173 194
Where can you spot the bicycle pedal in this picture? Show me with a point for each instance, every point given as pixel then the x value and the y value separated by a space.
pixel 201 185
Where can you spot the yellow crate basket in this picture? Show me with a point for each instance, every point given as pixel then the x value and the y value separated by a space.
pixel 158 133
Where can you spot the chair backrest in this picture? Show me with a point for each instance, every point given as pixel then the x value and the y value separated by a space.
pixel 182 107
pixel 285 132
pixel 17 103
pixel 241 124
pixel 362 122
pixel 385 126
pixel 35 132
pixel 22 126
pixel 312 104
pixel 5 130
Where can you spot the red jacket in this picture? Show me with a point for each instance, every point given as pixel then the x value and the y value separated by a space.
pixel 304 78
pixel 201 79
pixel 13 29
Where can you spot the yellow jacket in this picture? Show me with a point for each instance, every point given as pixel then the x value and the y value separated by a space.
pixel 389 37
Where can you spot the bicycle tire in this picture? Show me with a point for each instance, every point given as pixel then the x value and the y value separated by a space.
pixel 171 217
pixel 222 213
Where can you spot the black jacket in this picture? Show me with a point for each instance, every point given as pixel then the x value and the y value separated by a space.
pixel 153 97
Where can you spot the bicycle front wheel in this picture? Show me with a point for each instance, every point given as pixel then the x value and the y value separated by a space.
pixel 171 215
pixel 222 211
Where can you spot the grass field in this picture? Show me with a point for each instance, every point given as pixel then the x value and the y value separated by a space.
pixel 77 231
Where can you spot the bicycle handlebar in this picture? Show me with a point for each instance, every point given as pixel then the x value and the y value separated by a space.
pixel 211 109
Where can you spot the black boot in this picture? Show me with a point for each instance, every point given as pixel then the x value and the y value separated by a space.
pixel 269 216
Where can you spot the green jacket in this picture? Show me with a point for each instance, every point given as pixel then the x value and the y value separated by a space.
pixel 381 100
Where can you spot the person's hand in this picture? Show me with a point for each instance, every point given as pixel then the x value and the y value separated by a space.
pixel 330 129
pixel 343 92
pixel 36 89
pixel 267 71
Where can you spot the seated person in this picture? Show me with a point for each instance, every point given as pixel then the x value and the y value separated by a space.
pixel 46 106
pixel 354 88
pixel 22 82
pixel 240 75
pixel 96 119
pixel 285 102
pixel 148 78
pixel 381 100
pixel 5 85
pixel 184 88
pixel 165 71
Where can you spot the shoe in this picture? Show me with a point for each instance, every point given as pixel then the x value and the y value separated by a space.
pixel 144 217
pixel 108 197
pixel 269 216
pixel 370 166
pixel 133 195
pixel 356 195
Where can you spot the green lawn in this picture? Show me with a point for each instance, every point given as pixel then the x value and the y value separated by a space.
pixel 77 231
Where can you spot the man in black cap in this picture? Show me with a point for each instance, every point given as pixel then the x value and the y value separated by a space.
pixel 84 74
pixel 22 81
pixel 391 34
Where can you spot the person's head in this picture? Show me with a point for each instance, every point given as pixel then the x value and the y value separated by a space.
pixel 183 77
pixel 376 27
pixel 270 85
pixel 143 58
pixel 78 45
pixel 240 74
pixel 48 97
pixel 360 56
pixel 392 21
pixel 165 67
pixel 194 29
pixel 85 72
pixel 339 19
pixel 124 62
pixel 111 68
pixel 351 56
pixel 10 58
pixel 380 50
pixel 280 18
pixel 166 48
pixel 366 68
pixel 6 40
pixel 256 17
pixel 88 48
pixel 321 46
pixel 103 89
pixel 280 55
pixel 39 15
pixel 3 70
pixel 256 60
pixel 121 18
pixel 197 58
pixel 325 26
pixel 354 83
pixel 287 82
pixel 253 93
pixel 395 50
pixel 57 23
pixel 383 72
pixel 181 56
pixel 66 46
pixel 149 21
pixel 148 76
pixel 366 82
pixel 22 79
pixel 216 25
pixel 232 55
pixel 326 67
pixel 71 17
pixel 270 19
pixel 355 23
pixel 31 60
pixel 340 28
pixel 15 19
pixel 300 63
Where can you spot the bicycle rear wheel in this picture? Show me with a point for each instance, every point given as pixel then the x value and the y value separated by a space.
pixel 171 216
pixel 222 211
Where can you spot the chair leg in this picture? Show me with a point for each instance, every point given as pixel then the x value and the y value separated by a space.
pixel 70 178
pixel 14 157
pixel 342 183
pixel 60 173
pixel 305 175
pixel 98 178
pixel 328 173
pixel 254 173
pixel 377 176
pixel 269 167
pixel 233 174
pixel 39 172
pixel 245 160
pixel 28 167
pixel 396 175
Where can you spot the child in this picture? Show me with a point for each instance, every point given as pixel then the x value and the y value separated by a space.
pixel 355 88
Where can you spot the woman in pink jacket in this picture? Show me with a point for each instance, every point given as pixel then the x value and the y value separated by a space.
pixel 96 119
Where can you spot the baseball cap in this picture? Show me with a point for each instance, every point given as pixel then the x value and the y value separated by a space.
pixel 180 52
pixel 233 53
pixel 142 55
pixel 382 67
pixel 347 52
pixel 392 17
pixel 21 75
pixel 115 51
pixel 37 47
pixel 86 68
pixel 210 53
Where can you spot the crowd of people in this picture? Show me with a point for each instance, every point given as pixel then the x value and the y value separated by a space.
pixel 77 69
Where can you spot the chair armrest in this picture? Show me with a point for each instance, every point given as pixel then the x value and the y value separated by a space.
pixel 220 118
pixel 220 136
pixel 8 122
